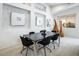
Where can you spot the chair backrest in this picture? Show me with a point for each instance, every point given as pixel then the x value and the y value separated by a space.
pixel 31 33
pixel 43 31
pixel 24 40
pixel 46 40
pixel 55 37
pixel 54 31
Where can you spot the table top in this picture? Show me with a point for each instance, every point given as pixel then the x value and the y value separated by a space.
pixel 38 36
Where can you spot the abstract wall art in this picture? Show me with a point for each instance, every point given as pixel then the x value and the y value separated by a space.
pixel 17 18
pixel 68 21
pixel 40 19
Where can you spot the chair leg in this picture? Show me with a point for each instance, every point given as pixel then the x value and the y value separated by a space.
pixel 26 51
pixel 49 49
pixel 40 49
pixel 59 41
pixel 22 49
pixel 30 48
pixel 58 44
pixel 44 51
pixel 53 44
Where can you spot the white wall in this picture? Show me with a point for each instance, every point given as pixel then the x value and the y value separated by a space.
pixel 9 35
pixel 47 14
pixel 71 32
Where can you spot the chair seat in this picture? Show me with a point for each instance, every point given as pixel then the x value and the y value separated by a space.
pixel 29 43
pixel 43 42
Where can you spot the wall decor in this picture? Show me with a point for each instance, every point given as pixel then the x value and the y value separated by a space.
pixel 40 7
pixel 48 23
pixel 61 30
pixel 68 21
pixel 55 26
pixel 39 18
pixel 17 18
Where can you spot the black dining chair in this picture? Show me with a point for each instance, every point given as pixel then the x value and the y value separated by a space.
pixel 53 31
pixel 31 33
pixel 26 42
pixel 54 38
pixel 45 41
pixel 42 31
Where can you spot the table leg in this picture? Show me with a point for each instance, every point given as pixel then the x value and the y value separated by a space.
pixel 34 48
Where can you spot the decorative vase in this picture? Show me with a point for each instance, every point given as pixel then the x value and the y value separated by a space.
pixel 61 31
pixel 55 27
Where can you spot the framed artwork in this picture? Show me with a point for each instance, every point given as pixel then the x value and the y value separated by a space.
pixel 40 19
pixel 68 21
pixel 17 18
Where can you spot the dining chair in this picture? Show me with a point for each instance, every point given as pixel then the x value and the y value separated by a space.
pixel 54 38
pixel 42 31
pixel 53 31
pixel 45 41
pixel 26 42
pixel 31 33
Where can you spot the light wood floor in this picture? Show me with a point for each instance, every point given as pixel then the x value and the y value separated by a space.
pixel 68 47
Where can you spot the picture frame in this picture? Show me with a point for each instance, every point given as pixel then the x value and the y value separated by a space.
pixel 17 19
pixel 39 18
pixel 68 21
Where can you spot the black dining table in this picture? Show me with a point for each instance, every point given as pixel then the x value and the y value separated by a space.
pixel 37 37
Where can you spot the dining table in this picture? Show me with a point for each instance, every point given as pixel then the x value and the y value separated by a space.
pixel 37 37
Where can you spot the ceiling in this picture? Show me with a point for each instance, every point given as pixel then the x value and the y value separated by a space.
pixel 58 7
pixel 54 4
pixel 57 4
